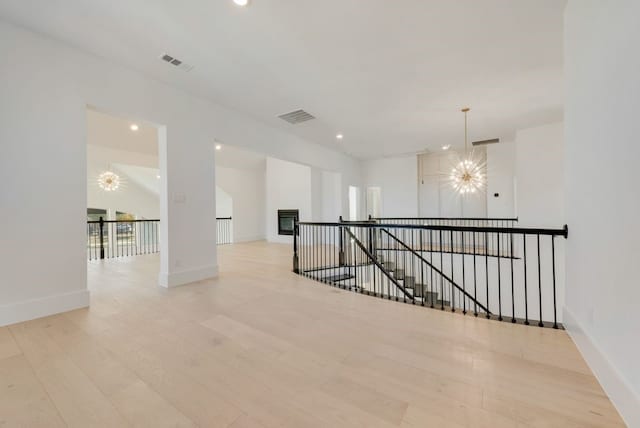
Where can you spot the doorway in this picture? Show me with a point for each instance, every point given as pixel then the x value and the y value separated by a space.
pixel 123 188
pixel 374 203
pixel 354 195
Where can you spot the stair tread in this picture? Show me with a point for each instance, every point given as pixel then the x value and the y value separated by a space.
pixel 337 278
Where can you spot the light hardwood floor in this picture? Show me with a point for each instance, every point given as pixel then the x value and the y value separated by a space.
pixel 263 347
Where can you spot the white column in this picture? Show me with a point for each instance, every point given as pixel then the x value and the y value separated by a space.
pixel 187 206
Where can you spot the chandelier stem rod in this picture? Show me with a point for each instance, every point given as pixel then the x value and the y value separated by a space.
pixel 466 144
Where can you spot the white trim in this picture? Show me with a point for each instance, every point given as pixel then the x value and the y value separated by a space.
pixel 621 393
pixel 42 307
pixel 254 238
pixel 175 279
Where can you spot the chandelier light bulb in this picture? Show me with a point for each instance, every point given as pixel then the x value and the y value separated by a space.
pixel 467 176
pixel 109 181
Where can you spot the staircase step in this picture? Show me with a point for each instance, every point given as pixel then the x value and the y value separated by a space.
pixel 424 288
pixel 429 298
pixel 338 278
pixel 398 274
pixel 409 281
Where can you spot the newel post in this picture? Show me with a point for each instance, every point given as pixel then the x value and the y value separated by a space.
pixel 101 238
pixel 341 244
pixel 296 268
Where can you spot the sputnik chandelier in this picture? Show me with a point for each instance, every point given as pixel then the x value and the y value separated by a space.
pixel 467 176
pixel 109 181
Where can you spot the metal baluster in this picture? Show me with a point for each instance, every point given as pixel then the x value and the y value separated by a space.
pixel 422 293
pixel 453 299
pixel 475 291
pixel 524 258
pixel 486 269
pixel 431 262
pixel 375 283
pixel 321 230
pixel 540 323
pixel 513 298
pixel 553 267
pixel 441 276
pixel 464 288
pixel 404 267
pixel 499 279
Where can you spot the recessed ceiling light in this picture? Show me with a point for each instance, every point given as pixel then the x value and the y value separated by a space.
pixel 241 2
pixel 134 127
pixel 158 177
pixel 339 136
pixel 218 147
pixel 447 147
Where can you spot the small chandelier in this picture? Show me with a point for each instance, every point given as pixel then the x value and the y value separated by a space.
pixel 467 176
pixel 109 181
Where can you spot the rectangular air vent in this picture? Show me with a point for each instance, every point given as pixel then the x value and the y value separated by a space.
pixel 296 117
pixel 485 142
pixel 176 62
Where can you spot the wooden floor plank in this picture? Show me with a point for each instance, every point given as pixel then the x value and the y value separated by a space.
pixel 262 347
pixel 8 346
pixel 23 400
pixel 76 397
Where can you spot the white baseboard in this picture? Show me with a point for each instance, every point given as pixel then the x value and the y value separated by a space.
pixel 240 239
pixel 37 308
pixel 621 393
pixel 175 279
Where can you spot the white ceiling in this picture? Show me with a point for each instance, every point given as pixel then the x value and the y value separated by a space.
pixel 233 157
pixel 390 75
pixel 145 177
pixel 105 130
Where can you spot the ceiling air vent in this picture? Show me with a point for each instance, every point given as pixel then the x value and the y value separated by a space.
pixel 486 142
pixel 296 117
pixel 176 62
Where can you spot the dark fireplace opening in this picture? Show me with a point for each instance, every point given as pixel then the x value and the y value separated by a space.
pixel 286 221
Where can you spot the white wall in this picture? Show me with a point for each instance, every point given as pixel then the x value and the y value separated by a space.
pixel 436 195
pixel 528 176
pixel 398 179
pixel 316 194
pixel 288 186
pixel 46 87
pixel 130 197
pixel 331 208
pixel 501 159
pixel 539 171
pixel 224 202
pixel 246 187
pixel 602 70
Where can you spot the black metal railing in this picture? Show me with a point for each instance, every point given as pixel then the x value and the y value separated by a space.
pixel 449 221
pixel 121 238
pixel 224 230
pixel 504 273
pixel 445 244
